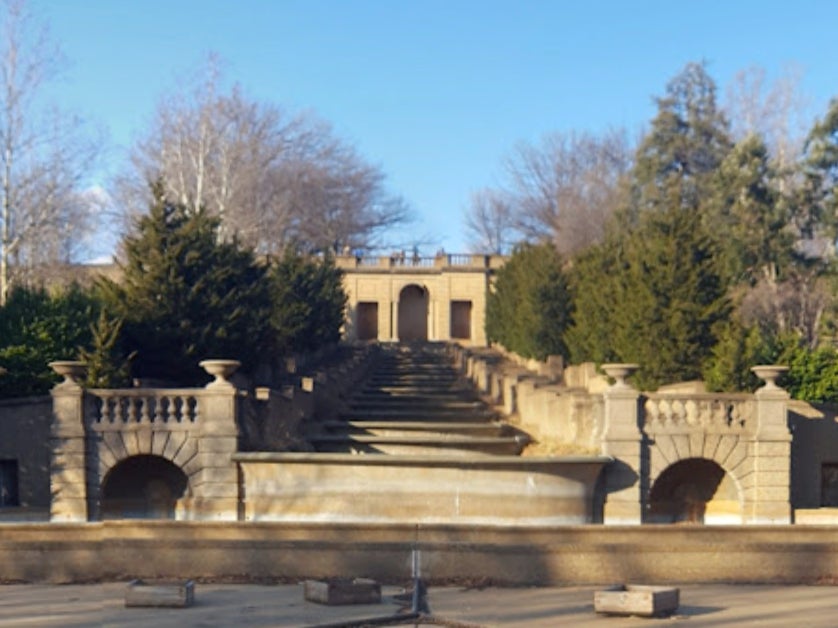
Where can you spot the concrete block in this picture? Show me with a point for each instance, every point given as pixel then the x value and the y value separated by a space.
pixel 343 592
pixel 160 594
pixel 632 599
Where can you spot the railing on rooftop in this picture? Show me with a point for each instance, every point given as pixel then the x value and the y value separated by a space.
pixel 406 262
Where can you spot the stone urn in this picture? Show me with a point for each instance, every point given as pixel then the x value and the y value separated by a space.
pixel 221 370
pixel 769 373
pixel 72 371
pixel 619 373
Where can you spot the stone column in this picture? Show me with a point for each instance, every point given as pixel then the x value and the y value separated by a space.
pixel 213 474
pixel 68 477
pixel 769 501
pixel 623 441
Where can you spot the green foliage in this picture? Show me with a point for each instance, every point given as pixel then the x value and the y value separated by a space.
pixel 530 306
pixel 663 299
pixel 687 142
pixel 309 303
pixel 107 367
pixel 739 348
pixel 818 205
pixel 37 328
pixel 186 296
pixel 746 217
pixel 812 374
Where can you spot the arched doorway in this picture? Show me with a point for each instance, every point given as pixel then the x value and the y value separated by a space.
pixel 413 314
pixel 695 490
pixel 143 487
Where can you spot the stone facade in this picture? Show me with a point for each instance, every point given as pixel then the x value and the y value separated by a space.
pixel 401 298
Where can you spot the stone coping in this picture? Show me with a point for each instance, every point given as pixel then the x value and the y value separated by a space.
pixel 416 460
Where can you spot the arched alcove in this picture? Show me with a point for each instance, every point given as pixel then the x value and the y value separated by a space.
pixel 695 490
pixel 413 314
pixel 143 487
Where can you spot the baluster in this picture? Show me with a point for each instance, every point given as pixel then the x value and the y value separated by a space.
pixel 105 410
pixel 132 409
pixel 652 411
pixel 159 417
pixel 119 409
pixel 170 400
pixel 145 417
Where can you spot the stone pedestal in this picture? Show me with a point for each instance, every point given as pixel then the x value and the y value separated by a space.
pixel 769 501
pixel 213 474
pixel 623 441
pixel 68 458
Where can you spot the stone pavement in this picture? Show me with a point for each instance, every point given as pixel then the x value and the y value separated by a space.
pixel 258 606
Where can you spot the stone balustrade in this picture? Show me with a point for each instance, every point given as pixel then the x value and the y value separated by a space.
pixel 408 261
pixel 725 413
pixel 114 409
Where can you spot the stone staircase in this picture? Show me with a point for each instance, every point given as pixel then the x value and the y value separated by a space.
pixel 414 402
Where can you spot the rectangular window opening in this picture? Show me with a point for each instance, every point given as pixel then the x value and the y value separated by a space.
pixel 8 484
pixel 829 484
pixel 461 320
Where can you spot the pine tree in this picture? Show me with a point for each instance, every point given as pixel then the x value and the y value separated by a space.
pixel 530 306
pixel 687 142
pixel 817 210
pixel 186 296
pixel 309 302
pixel 744 213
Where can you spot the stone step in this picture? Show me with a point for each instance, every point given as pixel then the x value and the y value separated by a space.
pixel 419 415
pixel 446 445
pixel 444 402
pixel 408 428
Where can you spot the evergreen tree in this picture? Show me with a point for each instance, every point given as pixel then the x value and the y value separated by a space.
pixel 186 296
pixel 687 142
pixel 530 307
pixel 309 302
pixel 37 327
pixel 662 299
pixel 745 216
pixel 817 210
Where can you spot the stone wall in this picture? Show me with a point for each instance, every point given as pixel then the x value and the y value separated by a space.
pixel 24 437
pixel 443 279
pixel 545 556
pixel 815 445
pixel 479 490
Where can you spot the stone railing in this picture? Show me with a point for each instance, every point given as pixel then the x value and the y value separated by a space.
pixel 706 411
pixel 115 409
pixel 408 262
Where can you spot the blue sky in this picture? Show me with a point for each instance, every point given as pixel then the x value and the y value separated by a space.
pixel 435 92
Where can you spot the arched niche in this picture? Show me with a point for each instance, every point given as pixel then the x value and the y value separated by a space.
pixel 695 490
pixel 413 314
pixel 143 487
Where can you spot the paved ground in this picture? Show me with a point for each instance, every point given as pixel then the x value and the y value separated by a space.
pixel 252 606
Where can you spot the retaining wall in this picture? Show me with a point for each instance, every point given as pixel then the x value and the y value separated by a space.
pixel 548 555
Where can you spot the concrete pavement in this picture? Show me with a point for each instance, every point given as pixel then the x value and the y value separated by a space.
pixel 260 606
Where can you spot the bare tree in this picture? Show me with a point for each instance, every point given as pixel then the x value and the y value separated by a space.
pixel 490 222
pixel 566 188
pixel 795 305
pixel 45 155
pixel 775 111
pixel 272 177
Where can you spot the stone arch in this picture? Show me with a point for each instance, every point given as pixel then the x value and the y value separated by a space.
pixel 143 487
pixel 414 304
pixel 695 490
